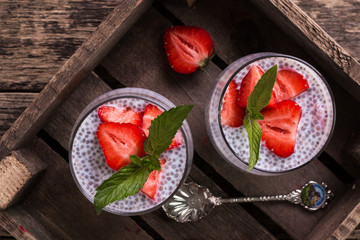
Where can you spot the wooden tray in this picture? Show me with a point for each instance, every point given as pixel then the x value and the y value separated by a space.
pixel 55 209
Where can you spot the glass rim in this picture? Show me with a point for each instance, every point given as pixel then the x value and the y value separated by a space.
pixel 253 58
pixel 149 96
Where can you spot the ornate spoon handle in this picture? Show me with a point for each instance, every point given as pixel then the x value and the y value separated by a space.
pixel 293 197
pixel 312 197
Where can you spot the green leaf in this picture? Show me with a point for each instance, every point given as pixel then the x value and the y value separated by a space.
pixel 163 129
pixel 261 95
pixel 254 132
pixel 255 115
pixel 125 182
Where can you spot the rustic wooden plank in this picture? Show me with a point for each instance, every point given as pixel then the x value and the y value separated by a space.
pixel 11 107
pixel 243 225
pixel 194 89
pixel 329 15
pixel 314 39
pixel 76 69
pixel 56 209
pixel 246 16
pixel 355 234
pixel 342 219
pixel 4 233
pixel 19 172
pixel 37 37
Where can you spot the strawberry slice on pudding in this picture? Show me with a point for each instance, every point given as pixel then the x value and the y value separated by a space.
pixel 120 115
pixel 279 127
pixel 289 84
pixel 151 185
pixel 118 141
pixel 231 113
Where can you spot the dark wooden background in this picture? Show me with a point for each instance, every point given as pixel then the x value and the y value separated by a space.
pixel 37 37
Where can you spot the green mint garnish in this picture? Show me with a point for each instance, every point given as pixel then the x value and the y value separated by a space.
pixel 131 178
pixel 258 99
pixel 164 128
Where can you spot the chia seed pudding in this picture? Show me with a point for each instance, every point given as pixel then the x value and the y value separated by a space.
pixel 314 129
pixel 88 164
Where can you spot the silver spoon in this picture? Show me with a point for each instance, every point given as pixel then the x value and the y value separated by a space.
pixel 192 201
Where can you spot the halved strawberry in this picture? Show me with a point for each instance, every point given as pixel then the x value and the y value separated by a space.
pixel 188 48
pixel 151 184
pixel 279 127
pixel 120 115
pixel 247 85
pixel 289 84
pixel 150 113
pixel 118 141
pixel 231 113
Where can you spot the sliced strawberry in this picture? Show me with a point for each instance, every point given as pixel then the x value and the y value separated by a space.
pixel 231 113
pixel 151 185
pixel 247 85
pixel 279 127
pixel 120 115
pixel 150 113
pixel 289 84
pixel 188 48
pixel 118 141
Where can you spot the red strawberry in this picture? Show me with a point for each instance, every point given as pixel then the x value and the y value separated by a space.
pixel 289 84
pixel 248 84
pixel 188 48
pixel 151 184
pixel 118 141
pixel 231 113
pixel 150 113
pixel 279 127
pixel 122 115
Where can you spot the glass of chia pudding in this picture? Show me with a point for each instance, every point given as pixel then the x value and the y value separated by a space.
pixel 315 117
pixel 89 167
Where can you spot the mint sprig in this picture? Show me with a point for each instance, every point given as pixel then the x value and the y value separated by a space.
pixel 258 99
pixel 131 178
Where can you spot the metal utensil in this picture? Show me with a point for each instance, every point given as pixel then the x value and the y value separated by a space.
pixel 192 201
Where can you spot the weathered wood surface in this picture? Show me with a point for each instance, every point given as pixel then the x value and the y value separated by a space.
pixel 19 172
pixel 194 89
pixel 232 220
pixel 340 19
pixel 75 70
pixel 315 40
pixel 37 37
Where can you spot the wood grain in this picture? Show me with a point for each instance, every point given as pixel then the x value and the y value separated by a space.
pixel 314 39
pixel 3 233
pixel 37 37
pixel 56 209
pixel 247 21
pixel 340 19
pixel 194 89
pixel 232 220
pixel 11 107
pixel 76 69
pixel 19 172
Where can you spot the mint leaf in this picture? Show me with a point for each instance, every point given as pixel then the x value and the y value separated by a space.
pixel 258 99
pixel 254 132
pixel 125 182
pixel 163 129
pixel 261 95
